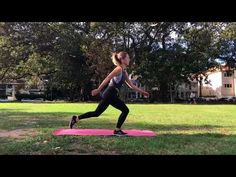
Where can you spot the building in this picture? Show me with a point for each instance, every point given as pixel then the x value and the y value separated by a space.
pixel 8 91
pixel 130 94
pixel 221 83
pixel 182 91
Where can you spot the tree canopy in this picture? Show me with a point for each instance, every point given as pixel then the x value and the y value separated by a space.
pixel 69 56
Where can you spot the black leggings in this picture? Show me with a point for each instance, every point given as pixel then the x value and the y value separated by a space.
pixel 109 99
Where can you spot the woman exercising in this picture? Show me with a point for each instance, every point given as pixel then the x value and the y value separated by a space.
pixel 110 96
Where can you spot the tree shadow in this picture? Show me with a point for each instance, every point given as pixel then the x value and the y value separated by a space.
pixel 177 127
pixel 11 119
pixel 198 139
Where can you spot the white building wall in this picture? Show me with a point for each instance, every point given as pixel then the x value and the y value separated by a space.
pixel 217 88
pixel 184 89
pixel 214 88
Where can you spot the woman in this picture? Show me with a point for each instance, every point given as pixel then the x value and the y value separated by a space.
pixel 110 95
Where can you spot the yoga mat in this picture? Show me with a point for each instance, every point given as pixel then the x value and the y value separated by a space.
pixel 101 132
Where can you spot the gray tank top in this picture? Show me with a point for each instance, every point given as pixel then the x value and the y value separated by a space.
pixel 118 80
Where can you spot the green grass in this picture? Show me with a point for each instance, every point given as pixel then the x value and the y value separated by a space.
pixel 181 129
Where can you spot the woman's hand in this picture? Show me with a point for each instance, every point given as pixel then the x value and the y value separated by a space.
pixel 146 94
pixel 95 92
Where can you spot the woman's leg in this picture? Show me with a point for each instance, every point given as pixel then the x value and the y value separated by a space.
pixel 99 110
pixel 119 104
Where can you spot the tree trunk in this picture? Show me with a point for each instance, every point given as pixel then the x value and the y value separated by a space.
pixel 171 94
pixel 200 88
pixel 163 92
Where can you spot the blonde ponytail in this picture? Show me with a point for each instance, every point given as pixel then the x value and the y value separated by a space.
pixel 116 57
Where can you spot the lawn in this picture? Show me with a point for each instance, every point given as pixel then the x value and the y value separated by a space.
pixel 26 128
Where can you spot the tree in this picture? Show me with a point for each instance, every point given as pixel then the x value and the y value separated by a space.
pixel 202 51
pixel 227 44
pixel 45 50
pixel 159 65
pixel 71 56
pixel 19 57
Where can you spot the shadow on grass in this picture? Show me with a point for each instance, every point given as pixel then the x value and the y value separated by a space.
pixel 11 119
pixel 172 142
pixel 177 144
pixel 14 120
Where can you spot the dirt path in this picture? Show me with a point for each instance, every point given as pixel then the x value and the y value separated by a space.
pixel 18 133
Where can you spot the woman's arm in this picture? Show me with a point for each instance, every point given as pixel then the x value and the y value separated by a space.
pixel 134 87
pixel 115 72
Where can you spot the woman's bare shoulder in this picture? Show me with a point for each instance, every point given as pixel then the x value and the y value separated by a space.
pixel 118 69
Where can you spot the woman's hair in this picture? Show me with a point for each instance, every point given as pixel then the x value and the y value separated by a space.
pixel 116 57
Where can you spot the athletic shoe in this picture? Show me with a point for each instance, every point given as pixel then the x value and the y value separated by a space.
pixel 119 133
pixel 73 121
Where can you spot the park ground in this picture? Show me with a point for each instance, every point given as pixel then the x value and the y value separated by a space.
pixel 26 128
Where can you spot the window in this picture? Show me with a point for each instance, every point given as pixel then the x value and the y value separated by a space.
pixel 9 86
pixel 227 74
pixel 129 95
pixel 132 95
pixel 228 85
pixel 2 87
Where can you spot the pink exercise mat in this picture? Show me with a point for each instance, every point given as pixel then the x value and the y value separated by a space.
pixel 101 132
